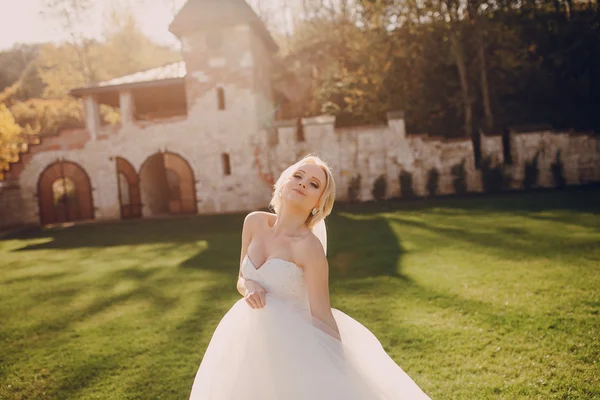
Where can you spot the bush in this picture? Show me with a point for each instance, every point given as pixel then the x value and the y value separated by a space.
pixel 532 172
pixel 433 181
pixel 406 189
pixel 379 188
pixel 49 117
pixel 558 171
pixel 459 177
pixel 493 177
pixel 354 188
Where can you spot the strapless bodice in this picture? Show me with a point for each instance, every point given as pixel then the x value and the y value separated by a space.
pixel 280 278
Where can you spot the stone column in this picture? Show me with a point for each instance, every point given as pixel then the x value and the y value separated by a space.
pixel 92 115
pixel 396 123
pixel 127 105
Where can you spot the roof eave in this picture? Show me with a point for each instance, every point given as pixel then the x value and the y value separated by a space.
pixel 79 92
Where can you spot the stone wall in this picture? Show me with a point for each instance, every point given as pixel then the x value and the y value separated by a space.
pixel 579 154
pixel 256 162
pixel 388 150
pixel 372 151
pixel 12 211
pixel 235 67
pixel 198 141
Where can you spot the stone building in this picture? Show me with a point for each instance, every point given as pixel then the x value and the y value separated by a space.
pixel 201 136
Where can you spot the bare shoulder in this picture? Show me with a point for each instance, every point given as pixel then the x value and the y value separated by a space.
pixel 258 219
pixel 310 251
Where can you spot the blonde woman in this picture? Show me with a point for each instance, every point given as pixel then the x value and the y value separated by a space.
pixel 282 340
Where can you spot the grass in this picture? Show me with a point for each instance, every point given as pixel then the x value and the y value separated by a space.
pixel 477 298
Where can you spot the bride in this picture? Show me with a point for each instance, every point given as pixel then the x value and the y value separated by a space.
pixel 282 340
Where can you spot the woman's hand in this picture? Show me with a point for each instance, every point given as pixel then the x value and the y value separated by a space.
pixel 255 294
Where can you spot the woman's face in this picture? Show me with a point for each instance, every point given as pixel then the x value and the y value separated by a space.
pixel 305 186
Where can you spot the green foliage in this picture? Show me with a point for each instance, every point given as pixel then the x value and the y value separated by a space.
pixel 406 185
pixel 558 171
pixel 532 172
pixel 541 66
pixel 30 84
pixel 459 177
pixel 60 70
pixel 11 141
pixel 125 50
pixel 14 61
pixel 109 115
pixel 354 188
pixel 47 116
pixel 125 42
pixel 379 188
pixel 433 182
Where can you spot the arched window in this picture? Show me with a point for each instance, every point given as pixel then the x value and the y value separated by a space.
pixel 63 191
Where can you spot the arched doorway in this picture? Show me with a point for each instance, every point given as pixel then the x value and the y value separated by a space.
pixel 167 185
pixel 64 194
pixel 129 190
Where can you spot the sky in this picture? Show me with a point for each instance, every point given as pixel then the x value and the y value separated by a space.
pixel 22 21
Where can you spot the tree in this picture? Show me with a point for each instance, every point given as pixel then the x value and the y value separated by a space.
pixel 11 139
pixel 479 27
pixel 14 61
pixel 126 49
pixel 451 13
pixel 74 16
pixel 59 69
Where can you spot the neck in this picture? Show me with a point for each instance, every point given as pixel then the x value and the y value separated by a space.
pixel 289 221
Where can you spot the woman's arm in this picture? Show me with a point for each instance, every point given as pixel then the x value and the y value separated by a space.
pixel 246 238
pixel 252 291
pixel 316 275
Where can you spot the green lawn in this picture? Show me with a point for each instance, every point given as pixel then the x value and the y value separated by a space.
pixel 492 297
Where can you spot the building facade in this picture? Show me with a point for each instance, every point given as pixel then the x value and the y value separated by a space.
pixel 200 136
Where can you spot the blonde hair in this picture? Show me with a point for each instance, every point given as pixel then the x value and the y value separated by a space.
pixel 327 199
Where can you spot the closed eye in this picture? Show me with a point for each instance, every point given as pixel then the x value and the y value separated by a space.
pixel 299 176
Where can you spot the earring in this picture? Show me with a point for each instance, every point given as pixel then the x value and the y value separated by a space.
pixel 314 211
pixel 280 193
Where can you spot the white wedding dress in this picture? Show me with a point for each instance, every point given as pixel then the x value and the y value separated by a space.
pixel 277 353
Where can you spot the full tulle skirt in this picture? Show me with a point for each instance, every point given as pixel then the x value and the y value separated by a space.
pixel 277 353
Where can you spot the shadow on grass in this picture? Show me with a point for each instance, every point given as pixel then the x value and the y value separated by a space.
pixel 362 246
pixel 132 232
pixel 39 278
pixel 84 375
pixel 507 242
pixel 485 313
pixel 552 205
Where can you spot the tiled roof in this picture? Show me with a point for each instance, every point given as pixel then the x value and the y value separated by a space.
pixel 170 71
